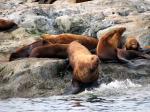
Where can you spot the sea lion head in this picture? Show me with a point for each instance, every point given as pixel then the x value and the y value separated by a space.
pixel 132 44
pixel 87 71
pixel 14 56
pixel 7 24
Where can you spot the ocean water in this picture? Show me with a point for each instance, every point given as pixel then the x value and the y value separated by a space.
pixel 117 96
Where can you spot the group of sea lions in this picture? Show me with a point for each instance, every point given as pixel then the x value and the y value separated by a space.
pixel 85 53
pixel 76 47
pixel 108 48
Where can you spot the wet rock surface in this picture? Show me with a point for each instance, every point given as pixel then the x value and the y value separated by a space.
pixel 45 77
pixel 32 78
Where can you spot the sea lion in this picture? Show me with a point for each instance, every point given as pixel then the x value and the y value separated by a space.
pixel 115 41
pixel 65 38
pixel 107 52
pixel 84 64
pixel 26 50
pixel 50 51
pixel 45 1
pixel 106 49
pixel 148 47
pixel 6 24
pixel 52 1
pixel 126 55
pixel 132 44
pixel 77 1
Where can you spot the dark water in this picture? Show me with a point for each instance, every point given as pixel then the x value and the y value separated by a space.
pixel 118 96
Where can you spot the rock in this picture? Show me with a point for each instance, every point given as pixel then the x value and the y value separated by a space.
pixel 18 38
pixel 39 25
pixel 45 77
pixel 73 25
pixel 88 18
pixel 120 71
pixel 42 77
pixel 32 78
pixel 79 24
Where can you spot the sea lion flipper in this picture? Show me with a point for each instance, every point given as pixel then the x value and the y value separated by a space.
pixel 75 87
pixel 144 50
pixel 121 54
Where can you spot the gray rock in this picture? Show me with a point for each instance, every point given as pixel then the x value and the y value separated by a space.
pixel 32 78
pixel 18 38
pixel 73 25
pixel 87 18
pixel 45 77
pixel 121 71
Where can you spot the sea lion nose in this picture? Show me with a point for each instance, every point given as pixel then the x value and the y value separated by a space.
pixel 95 61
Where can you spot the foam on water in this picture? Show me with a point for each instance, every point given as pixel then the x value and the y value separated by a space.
pixel 114 88
pixel 124 96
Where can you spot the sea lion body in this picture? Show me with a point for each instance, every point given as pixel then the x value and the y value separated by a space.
pixel 52 1
pixel 132 44
pixel 84 64
pixel 115 40
pixel 50 51
pixel 88 42
pixel 26 50
pixel 106 49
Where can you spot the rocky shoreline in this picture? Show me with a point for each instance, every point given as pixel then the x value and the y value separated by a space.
pixel 45 77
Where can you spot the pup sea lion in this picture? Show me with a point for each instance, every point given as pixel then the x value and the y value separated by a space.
pixel 50 51
pixel 88 42
pixel 6 24
pixel 84 64
pixel 26 50
pixel 132 44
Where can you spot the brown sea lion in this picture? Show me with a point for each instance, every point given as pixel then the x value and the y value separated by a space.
pixel 50 51
pixel 132 44
pixel 26 50
pixel 116 38
pixel 88 42
pixel 107 52
pixel 147 47
pixel 84 64
pixel 77 1
pixel 45 1
pixel 52 1
pixel 6 24
pixel 106 49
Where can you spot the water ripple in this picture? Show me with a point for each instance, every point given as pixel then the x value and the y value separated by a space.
pixel 118 96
